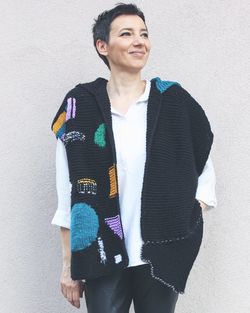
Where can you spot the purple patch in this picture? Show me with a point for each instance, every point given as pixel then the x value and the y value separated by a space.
pixel 71 108
pixel 115 224
pixel 74 108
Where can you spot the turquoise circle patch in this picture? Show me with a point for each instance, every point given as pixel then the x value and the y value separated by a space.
pixel 83 227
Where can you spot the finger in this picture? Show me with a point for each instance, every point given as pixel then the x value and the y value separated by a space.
pixel 76 304
pixel 76 299
pixel 71 301
pixel 69 294
pixel 64 290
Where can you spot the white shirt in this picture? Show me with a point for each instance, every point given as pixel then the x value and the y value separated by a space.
pixel 130 142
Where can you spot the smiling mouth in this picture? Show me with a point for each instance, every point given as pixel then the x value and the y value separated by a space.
pixel 137 53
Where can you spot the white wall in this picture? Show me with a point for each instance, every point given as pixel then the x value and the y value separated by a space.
pixel 46 49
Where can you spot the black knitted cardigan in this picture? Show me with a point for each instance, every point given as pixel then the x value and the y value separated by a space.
pixel 178 142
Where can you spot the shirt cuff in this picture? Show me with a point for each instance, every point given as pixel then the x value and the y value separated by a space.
pixel 210 204
pixel 61 218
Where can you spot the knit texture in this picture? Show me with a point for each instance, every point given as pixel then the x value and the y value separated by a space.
pixel 178 142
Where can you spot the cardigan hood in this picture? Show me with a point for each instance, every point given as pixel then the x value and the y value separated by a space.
pixel 178 142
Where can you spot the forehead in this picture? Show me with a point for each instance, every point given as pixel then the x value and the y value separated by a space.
pixel 126 21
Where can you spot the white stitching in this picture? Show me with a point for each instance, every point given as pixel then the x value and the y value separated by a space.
pixel 151 265
pixel 178 238
pixel 158 278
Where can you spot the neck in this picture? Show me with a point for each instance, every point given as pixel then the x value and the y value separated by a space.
pixel 125 85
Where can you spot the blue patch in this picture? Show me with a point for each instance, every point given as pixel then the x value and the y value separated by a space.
pixel 84 226
pixel 163 85
pixel 61 131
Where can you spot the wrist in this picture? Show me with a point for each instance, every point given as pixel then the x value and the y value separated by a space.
pixel 66 266
pixel 203 204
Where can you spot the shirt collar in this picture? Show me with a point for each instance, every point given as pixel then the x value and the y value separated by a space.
pixel 145 95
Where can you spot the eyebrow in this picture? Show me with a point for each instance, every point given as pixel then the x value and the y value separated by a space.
pixel 129 28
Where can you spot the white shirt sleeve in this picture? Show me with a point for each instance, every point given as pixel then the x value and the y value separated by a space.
pixel 63 186
pixel 206 185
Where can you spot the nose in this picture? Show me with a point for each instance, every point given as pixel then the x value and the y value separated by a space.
pixel 138 40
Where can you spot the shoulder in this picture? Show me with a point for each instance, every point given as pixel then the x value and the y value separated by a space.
pixel 83 87
pixel 163 85
pixel 180 95
pixel 65 110
pixel 191 102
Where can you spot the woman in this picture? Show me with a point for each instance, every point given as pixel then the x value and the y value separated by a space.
pixel 133 175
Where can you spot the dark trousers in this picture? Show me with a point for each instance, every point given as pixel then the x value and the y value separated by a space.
pixel 114 293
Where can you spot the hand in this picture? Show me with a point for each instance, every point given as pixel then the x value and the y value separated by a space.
pixel 71 289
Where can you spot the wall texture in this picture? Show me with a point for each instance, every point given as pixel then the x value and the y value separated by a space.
pixel 46 49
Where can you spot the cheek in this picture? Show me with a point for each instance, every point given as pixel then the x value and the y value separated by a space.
pixel 118 48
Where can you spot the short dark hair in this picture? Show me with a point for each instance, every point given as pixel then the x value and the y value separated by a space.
pixel 101 27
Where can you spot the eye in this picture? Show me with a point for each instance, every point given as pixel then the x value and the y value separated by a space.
pixel 145 34
pixel 125 33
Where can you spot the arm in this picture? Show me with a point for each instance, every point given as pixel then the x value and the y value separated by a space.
pixel 72 290
pixel 206 186
pixel 65 243
pixel 63 186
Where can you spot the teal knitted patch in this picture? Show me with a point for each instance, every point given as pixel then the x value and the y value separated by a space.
pixel 84 226
pixel 99 137
pixel 163 85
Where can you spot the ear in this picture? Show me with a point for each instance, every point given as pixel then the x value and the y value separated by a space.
pixel 101 46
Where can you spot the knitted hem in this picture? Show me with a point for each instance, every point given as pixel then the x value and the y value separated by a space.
pixel 169 261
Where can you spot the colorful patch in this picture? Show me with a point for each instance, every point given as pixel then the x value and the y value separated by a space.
pixel 115 224
pixel 113 182
pixel 71 108
pixel 72 136
pixel 101 250
pixel 59 126
pixel 163 85
pixel 83 227
pixel 118 258
pixel 99 137
pixel 87 185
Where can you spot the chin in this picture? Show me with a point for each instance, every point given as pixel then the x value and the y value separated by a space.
pixel 137 66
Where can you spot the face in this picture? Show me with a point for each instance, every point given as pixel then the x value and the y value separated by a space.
pixel 129 46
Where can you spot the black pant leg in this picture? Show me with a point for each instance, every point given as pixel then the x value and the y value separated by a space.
pixel 149 294
pixel 110 293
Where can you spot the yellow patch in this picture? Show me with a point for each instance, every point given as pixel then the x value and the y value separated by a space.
pixel 113 182
pixel 59 122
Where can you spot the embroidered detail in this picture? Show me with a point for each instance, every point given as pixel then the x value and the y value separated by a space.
pixel 99 137
pixel 158 278
pixel 59 126
pixel 71 108
pixel 113 183
pixel 101 250
pixel 164 241
pixel 72 136
pixel 177 238
pixel 118 258
pixel 84 226
pixel 87 185
pixel 115 224
pixel 163 85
